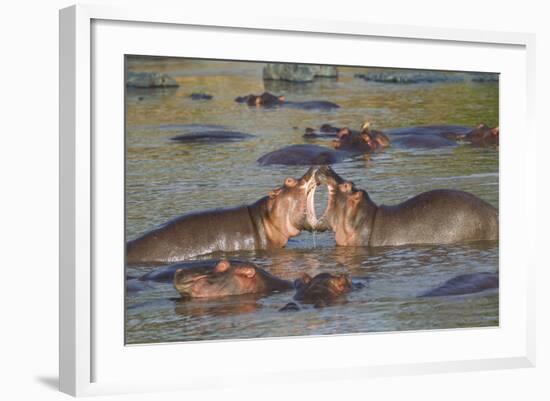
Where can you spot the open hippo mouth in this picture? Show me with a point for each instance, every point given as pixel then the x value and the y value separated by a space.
pixel 311 215
pixel 324 175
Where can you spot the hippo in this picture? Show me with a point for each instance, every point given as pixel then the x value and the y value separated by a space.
pixel 347 144
pixel 325 131
pixel 303 155
pixel 311 105
pixel 268 100
pixel 440 216
pixel 361 142
pixel 213 136
pixel 416 137
pixel 266 224
pixel 200 96
pixel 435 136
pixel 465 284
pixel 213 279
pixel 483 135
pixel 322 290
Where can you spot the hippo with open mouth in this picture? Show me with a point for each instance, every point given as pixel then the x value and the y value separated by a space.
pixel 440 216
pixel 225 278
pixel 266 224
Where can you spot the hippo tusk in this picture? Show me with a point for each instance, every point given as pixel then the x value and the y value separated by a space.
pixel 310 207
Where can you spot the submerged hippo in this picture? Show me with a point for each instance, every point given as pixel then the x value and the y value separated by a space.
pixel 212 279
pixel 322 290
pixel 347 144
pixel 436 217
pixel 435 136
pixel 265 224
pixel 200 96
pixel 362 141
pixel 365 141
pixel 465 284
pixel 303 155
pixel 212 136
pixel 325 131
pixel 415 137
pixel 426 136
pixel 267 99
pixel 483 135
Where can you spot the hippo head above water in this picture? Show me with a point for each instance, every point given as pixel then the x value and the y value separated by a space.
pixel 226 278
pixel 266 99
pixel 484 135
pixel 323 289
pixel 290 208
pixel 347 209
pixel 365 141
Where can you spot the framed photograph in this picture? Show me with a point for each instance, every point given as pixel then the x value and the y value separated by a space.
pixel 236 192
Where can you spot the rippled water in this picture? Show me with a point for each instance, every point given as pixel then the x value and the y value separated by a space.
pixel 166 179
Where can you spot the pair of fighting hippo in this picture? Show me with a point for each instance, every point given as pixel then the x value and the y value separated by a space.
pixel 438 216
pixel 347 143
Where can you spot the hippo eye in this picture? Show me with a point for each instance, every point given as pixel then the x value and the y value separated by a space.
pixel 345 187
pixel 356 196
pixel 290 182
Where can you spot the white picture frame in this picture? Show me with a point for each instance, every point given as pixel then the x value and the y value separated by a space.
pixel 93 358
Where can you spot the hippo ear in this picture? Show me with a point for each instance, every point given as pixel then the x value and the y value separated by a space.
pixel 245 271
pixel 177 275
pixel 345 187
pixel 366 135
pixel 290 182
pixel 222 266
pixel 305 278
pixel 274 193
pixel 343 132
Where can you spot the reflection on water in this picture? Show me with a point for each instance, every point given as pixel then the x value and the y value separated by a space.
pixel 165 179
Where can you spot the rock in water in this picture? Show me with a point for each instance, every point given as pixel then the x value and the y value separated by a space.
pixel 150 80
pixel 298 72
pixel 410 76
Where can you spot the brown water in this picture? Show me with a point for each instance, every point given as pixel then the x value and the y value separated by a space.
pixel 166 179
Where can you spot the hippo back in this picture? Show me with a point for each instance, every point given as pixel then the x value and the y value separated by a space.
pixel 194 234
pixel 439 216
